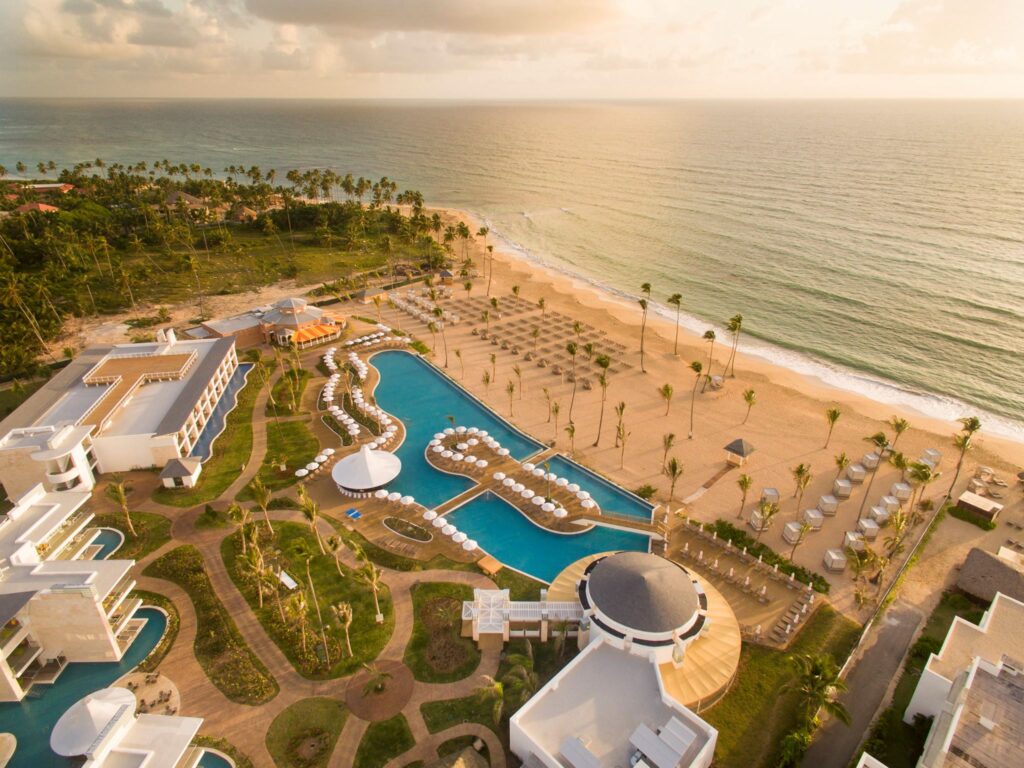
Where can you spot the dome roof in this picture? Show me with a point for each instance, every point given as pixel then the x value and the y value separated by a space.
pixel 643 592
pixel 366 469
pixel 85 721
pixel 294 305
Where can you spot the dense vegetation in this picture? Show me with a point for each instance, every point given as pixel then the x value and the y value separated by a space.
pixel 125 237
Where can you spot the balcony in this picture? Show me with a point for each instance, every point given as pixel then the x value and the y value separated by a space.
pixel 58 537
pixel 23 656
pixel 67 476
pixel 117 595
pixel 81 547
pixel 191 758
pixel 122 614
pixel 12 633
pixel 129 633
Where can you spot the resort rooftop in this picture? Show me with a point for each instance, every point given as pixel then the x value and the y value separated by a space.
pixel 999 632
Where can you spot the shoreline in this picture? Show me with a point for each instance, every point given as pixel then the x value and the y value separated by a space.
pixel 754 355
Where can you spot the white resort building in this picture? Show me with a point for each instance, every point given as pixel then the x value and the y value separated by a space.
pixel 56 605
pixel 114 409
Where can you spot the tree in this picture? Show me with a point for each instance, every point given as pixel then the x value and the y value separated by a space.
pixel 666 391
pixel 899 426
pixel 604 363
pixel 570 430
pixel 239 515
pixel 493 692
pixel 842 462
pixel 709 336
pixel 297 610
pixel 370 575
pixel 336 547
pixel 802 477
pixel 673 471
pixel 572 349
pixel 818 684
pixel 750 398
pixel 900 462
pixel 620 410
pixel 667 441
pixel 804 530
pixel 921 475
pixel 963 443
pixel 262 495
pixel 622 435
pixel 494 367
pixel 767 511
pixel 745 483
pixel 734 326
pixel 696 367
pixel 487 382
pixel 518 372
pixel 117 491
pixel 556 409
pixel 311 513
pixel 439 314
pixel 646 290
pixel 881 442
pixel 510 389
pixel 831 416
pixel 676 300
pixel 343 615
pixel 486 317
pixel 307 554
pixel 377 680
pixel 515 292
pixel 462 366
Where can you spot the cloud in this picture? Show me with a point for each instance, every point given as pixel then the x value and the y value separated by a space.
pixel 943 37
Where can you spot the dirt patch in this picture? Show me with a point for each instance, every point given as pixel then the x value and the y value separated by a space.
pixel 368 704
pixel 309 746
pixel 442 618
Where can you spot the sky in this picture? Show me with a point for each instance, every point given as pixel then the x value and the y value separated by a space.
pixel 513 49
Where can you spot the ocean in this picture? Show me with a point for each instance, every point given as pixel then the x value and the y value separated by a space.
pixel 875 245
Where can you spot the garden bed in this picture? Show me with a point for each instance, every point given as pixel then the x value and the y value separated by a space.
pixel 436 652
pixel 407 529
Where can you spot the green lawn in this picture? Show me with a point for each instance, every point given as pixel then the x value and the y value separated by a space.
pixel 211 518
pixel 304 734
pixel 382 742
pixel 368 638
pixel 219 647
pixel 756 713
pixel 892 741
pixel 282 397
pixel 152 531
pixel 288 442
pixel 13 396
pixel 151 662
pixel 231 452
pixel 386 559
pixel 458 744
pixel 520 586
pixel 436 653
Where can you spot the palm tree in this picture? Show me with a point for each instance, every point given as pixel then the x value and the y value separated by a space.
pixel 709 336
pixel 304 552
pixel 621 436
pixel 510 389
pixel 370 575
pixel 899 426
pixel 262 495
pixel 802 476
pixel 240 516
pixel 486 317
pixel 666 391
pixel 842 462
pixel 343 615
pixel 673 471
pixel 487 382
pixel 462 366
pixel 667 441
pixel 831 416
pixel 493 692
pixel 336 546
pixel 900 462
pixel 570 430
pixel 745 483
pixel 881 442
pixel 750 398
pixel 535 335
pixel 515 292
pixel 646 290
pixel 518 372
pixel 604 363
pixel 439 314
pixel 804 530
pixel 117 491
pixel 572 349
pixel 620 410
pixel 921 475
pixel 734 326
pixel 542 304
pixel 494 367
pixel 297 610
pixel 252 566
pixel 676 300
pixel 963 443
pixel 556 409
pixel 377 680
pixel 696 367
pixel 311 513
pixel 767 511
pixel 818 683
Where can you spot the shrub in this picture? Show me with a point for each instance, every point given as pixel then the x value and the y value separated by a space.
pixel 971 517
pixel 740 539
pixel 646 492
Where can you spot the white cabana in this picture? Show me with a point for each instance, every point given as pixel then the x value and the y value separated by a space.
pixel 86 721
pixel 366 470
pixel 835 561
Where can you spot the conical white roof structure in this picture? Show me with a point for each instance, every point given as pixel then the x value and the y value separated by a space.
pixel 366 469
pixel 81 726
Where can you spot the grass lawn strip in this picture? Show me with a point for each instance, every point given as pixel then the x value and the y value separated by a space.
pixel 290 443
pixel 151 662
pixel 382 742
pixel 304 734
pixel 368 638
pixel 282 402
pixel 219 647
pixel 436 653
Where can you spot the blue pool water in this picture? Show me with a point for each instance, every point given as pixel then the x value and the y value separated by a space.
pixel 422 398
pixel 611 499
pixel 32 720
pixel 204 445
pixel 109 540
pixel 502 531
pixel 213 760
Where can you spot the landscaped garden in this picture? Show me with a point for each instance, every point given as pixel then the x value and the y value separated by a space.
pixel 219 647
pixel 436 652
pixel 758 711
pixel 151 662
pixel 290 444
pixel 408 529
pixel 382 742
pixel 152 531
pixel 286 394
pixel 304 734
pixel 293 618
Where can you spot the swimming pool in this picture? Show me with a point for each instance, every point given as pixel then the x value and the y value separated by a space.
pixel 32 720
pixel 214 760
pixel 411 390
pixel 109 541
pixel 504 532
pixel 610 498
pixel 215 425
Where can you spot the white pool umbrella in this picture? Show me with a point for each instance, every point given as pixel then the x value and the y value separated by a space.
pixel 469 545
pixel 321 458
pixel 583 495
pixel 456 456
pixel 430 515
pixel 573 487
pixel 508 482
pixel 560 513
pixel 438 449
pixel 406 500
pixel 527 493
pixel 561 482
pixel 394 496
pixel 537 501
pixel 503 451
pixel 312 466
pixel 449 431
pixel 328 451
pixel 380 494
pixel 459 537
pixel 301 472
pixel 460 430
pixel 518 487
pixel 439 435
pixel 449 530
pixel 473 430
pixel 528 466
pixel 499 476
pixel 547 506
pixel 438 522
pixel 447 454
pixel 538 472
pixel 481 464
pixel 472 441
pixel 433 443
pixel 587 504
pixel 482 433
pixel 551 477
pixel 461 446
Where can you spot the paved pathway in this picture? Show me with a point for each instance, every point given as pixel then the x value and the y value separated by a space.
pixel 246 726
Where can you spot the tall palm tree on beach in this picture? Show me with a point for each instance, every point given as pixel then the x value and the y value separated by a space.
pixel 439 314
pixel 572 349
pixel 750 398
pixel 621 436
pixel 556 409
pixel 842 462
pixel 262 495
pixel 673 471
pixel 667 442
pixel 462 365
pixel 802 477
pixel 963 442
pixel 734 326
pixel 646 290
pixel 709 335
pixel 510 390
pixel 881 442
pixel 818 683
pixel 745 483
pixel 676 300
pixel 603 362
pixel 696 367
pixel 899 426
pixel 487 382
pixel 666 391
pixel 831 416
pixel 620 410
pixel 518 373
pixel 921 475
pixel 570 430
pixel 767 510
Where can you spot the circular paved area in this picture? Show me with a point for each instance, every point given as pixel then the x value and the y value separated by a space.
pixel 386 704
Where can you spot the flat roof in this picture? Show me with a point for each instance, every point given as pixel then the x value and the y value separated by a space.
pixel 997 634
pixel 990 728
pixel 156 741
pixel 601 698
pixel 234 324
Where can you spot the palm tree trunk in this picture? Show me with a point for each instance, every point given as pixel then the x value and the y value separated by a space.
pixel 319 618
pixel 600 420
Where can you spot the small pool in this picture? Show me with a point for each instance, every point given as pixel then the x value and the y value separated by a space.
pixel 214 760
pixel 203 448
pixel 32 720
pixel 610 498
pixel 109 541
pixel 422 398
pixel 504 532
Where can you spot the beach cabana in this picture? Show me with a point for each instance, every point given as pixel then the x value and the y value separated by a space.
pixel 757 521
pixel 890 503
pixel 870 460
pixel 901 491
pixel 842 488
pixel 868 527
pixel 366 470
pixel 979 505
pixel 770 495
pixel 835 561
pixel 737 452
pixel 855 473
pixel 814 518
pixel 828 504
pixel 792 532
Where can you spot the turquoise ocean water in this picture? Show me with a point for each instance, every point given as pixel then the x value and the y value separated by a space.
pixel 876 245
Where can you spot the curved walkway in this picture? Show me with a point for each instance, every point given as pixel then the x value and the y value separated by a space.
pixel 246 726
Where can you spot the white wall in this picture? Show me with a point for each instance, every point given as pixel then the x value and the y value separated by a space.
pixel 929 696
